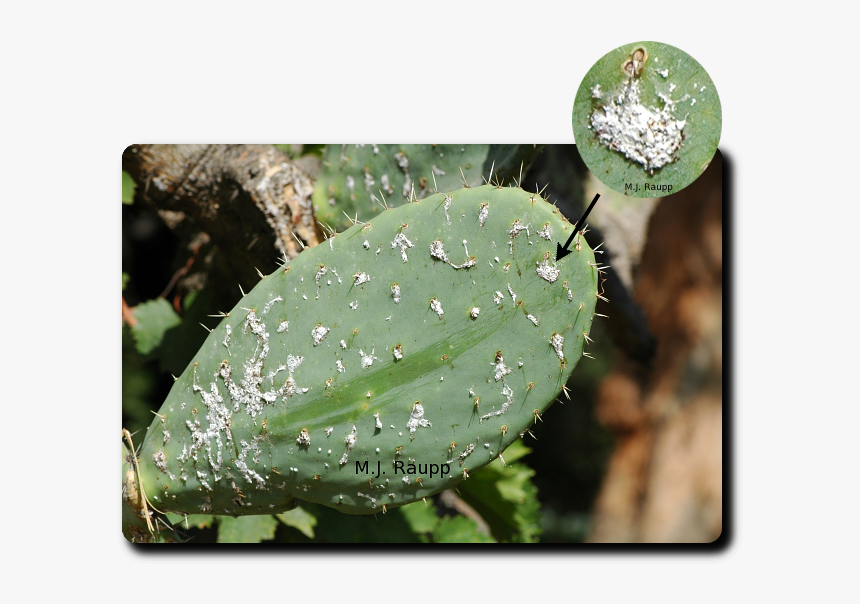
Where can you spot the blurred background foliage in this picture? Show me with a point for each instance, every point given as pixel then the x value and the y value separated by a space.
pixel 549 489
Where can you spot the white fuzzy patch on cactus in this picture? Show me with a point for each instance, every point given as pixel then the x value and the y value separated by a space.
pixel 283 326
pixel 161 463
pixel 249 474
pixel 436 306
pixel 269 304
pixel 402 160
pixel 319 333
pixel 378 422
pixel 229 331
pixel 404 243
pixel 499 367
pixel 360 278
pixel 483 213
pixel 304 439
pixel 517 227
pixel 293 363
pixel 513 295
pixel 350 445
pixel 367 359
pixel 546 232
pixel 398 352
pixel 505 406
pixel 469 263
pixel 350 184
pixel 557 342
pixel 320 274
pixel 532 318
pixel 474 312
pixel 466 452
pixel 395 293
pixel 497 297
pixel 547 272
pixel 372 499
pixel 437 250
pixel 416 419
pixel 649 136
pixel 248 392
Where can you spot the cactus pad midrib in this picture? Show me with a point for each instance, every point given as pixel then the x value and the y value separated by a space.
pixel 395 386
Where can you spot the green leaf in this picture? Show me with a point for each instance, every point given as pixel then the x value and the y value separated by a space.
pixel 124 280
pixel 139 383
pixel 181 341
pixel 459 529
pixel 154 317
pixel 128 188
pixel 515 452
pixel 696 101
pixel 421 518
pixel 335 527
pixel 505 497
pixel 299 519
pixel 246 529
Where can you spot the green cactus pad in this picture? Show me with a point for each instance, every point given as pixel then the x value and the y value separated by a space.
pixel 428 339
pixel 353 177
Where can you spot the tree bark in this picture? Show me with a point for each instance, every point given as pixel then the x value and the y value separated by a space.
pixel 664 482
pixel 251 201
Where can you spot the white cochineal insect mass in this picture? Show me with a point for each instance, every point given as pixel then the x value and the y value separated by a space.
pixel 648 136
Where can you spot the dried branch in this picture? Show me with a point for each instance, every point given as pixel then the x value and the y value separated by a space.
pixel 251 200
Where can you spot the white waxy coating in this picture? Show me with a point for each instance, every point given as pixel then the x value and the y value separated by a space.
pixel 416 419
pixel 319 333
pixel 557 343
pixel 547 272
pixel 648 136
pixel 436 306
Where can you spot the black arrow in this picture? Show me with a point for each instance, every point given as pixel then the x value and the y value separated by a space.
pixel 561 252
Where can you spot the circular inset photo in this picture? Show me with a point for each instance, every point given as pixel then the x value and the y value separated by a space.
pixel 647 119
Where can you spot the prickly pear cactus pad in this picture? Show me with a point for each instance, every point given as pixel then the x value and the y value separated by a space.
pixel 382 366
pixel 354 177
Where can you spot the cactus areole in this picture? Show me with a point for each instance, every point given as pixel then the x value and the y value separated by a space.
pixel 361 375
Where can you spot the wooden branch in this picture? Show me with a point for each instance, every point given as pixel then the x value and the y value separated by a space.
pixel 452 500
pixel 250 199
pixel 128 314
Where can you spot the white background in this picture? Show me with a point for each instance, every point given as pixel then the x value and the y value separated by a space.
pixel 80 81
